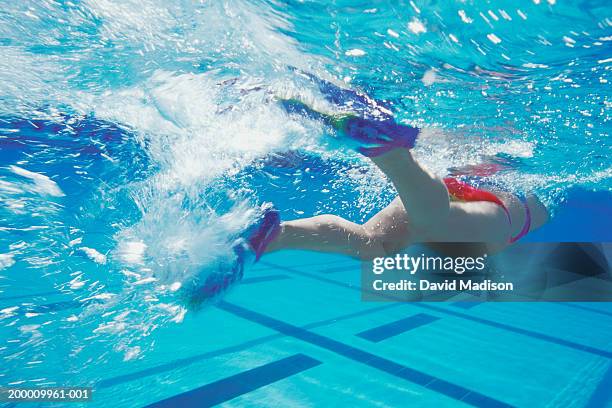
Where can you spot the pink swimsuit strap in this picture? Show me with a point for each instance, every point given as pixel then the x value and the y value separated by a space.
pixel 526 224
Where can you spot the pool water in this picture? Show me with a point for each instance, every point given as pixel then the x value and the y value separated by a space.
pixel 137 140
pixel 299 321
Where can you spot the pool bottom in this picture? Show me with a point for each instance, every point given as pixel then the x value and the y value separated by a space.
pixel 292 335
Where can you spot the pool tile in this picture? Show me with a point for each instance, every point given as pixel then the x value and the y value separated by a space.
pixel 385 331
pixel 353 353
pixel 231 387
pixel 265 278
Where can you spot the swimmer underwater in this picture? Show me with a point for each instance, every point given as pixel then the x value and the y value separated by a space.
pixel 427 209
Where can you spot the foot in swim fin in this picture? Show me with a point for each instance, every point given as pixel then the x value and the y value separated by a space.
pixel 266 230
pixel 246 250
pixel 359 102
pixel 298 107
pixel 370 137
pixel 225 275
pixel 378 137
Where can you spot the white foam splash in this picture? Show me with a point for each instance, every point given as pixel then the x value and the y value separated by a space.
pixel 131 252
pixel 94 255
pixel 30 81
pixel 41 184
pixel 194 143
pixel 6 260
pixel 516 148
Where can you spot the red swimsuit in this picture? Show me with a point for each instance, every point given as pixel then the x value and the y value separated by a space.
pixel 465 192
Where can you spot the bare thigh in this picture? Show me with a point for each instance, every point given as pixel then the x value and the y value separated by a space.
pixel 466 222
pixel 391 227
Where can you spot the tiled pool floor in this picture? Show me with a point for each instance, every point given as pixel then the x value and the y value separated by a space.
pixel 296 333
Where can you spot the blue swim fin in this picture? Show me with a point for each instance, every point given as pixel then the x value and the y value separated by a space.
pixel 358 102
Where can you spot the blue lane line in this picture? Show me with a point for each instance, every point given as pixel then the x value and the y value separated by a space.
pixel 467 304
pixel 258 266
pixel 231 387
pixel 439 385
pixel 385 331
pixel 337 269
pixel 588 309
pixel 603 393
pixel 524 332
pixel 491 323
pixel 183 362
pixel 266 278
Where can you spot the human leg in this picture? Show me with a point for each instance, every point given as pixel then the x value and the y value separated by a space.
pixel 379 236
pixel 326 233
pixel 424 196
pixel 388 143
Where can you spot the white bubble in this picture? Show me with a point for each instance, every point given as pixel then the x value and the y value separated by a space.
pixel 417 26
pixel 355 52
pixel 429 78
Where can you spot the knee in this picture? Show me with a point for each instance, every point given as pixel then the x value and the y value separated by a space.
pixel 387 238
pixel 378 244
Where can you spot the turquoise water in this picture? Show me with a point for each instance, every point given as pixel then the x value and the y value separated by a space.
pixel 138 138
